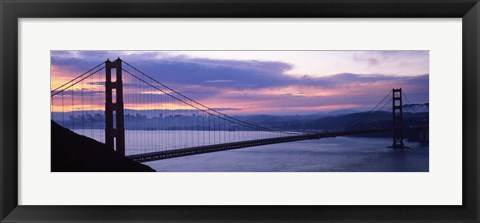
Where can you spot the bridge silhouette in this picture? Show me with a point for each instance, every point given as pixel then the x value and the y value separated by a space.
pixel 161 122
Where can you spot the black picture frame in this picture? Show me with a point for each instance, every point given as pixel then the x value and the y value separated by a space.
pixel 11 11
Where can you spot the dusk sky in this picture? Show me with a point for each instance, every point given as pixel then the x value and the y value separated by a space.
pixel 264 82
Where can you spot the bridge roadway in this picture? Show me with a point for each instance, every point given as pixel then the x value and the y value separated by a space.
pixel 145 157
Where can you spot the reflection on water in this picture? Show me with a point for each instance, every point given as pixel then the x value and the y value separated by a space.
pixel 145 141
pixel 341 154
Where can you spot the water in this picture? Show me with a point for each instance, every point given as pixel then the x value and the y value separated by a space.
pixel 340 154
pixel 145 141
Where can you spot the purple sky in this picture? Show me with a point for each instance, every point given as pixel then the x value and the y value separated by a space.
pixel 265 82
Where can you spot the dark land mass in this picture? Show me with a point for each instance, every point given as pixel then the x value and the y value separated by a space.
pixel 75 153
pixel 306 123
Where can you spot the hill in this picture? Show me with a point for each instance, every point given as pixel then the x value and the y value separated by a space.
pixel 75 153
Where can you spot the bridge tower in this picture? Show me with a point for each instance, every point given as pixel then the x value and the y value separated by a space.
pixel 114 124
pixel 397 119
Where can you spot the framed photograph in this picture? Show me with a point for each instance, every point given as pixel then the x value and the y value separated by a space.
pixel 239 111
pixel 224 102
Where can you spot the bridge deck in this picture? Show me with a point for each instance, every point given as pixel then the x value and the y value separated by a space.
pixel 214 148
pixel 145 157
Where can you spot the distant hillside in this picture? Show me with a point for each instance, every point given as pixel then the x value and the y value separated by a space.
pixel 414 114
pixel 75 153
pixel 415 108
pixel 359 120
pixel 365 120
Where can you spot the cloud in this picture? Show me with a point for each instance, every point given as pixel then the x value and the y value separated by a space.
pixel 246 85
pixel 219 81
pixel 392 62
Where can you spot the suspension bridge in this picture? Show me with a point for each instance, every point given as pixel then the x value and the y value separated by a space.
pixel 143 119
